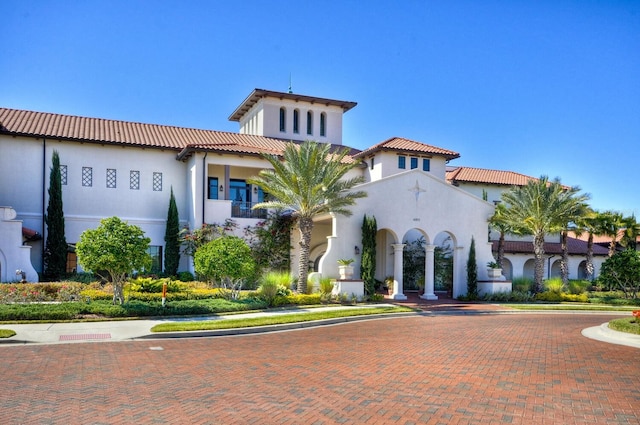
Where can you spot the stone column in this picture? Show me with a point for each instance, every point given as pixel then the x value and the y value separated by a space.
pixel 429 293
pixel 398 264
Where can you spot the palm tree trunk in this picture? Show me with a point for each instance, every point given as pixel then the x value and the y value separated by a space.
pixel 538 251
pixel 306 226
pixel 500 250
pixel 589 267
pixel 564 263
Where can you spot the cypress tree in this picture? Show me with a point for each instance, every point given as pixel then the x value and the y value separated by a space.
pixel 172 239
pixel 472 272
pixel 55 254
pixel 368 261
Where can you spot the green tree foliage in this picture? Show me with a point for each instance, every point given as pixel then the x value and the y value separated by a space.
pixel 224 257
pixel 55 253
pixel 622 272
pixel 413 261
pixel 499 222
pixel 537 209
pixel 172 239
pixel 115 247
pixel 309 180
pixel 270 242
pixel 368 260
pixel 193 240
pixel 472 271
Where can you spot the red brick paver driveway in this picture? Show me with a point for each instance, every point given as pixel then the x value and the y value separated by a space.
pixel 465 369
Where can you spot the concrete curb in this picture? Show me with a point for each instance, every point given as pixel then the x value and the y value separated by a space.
pixel 605 334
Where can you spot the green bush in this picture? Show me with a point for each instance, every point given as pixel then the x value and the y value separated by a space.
pixel 578 286
pixel 273 284
pixel 522 284
pixel 513 297
pixel 550 296
pixel 326 285
pixel 554 284
pixel 225 257
pixel 147 284
pixel 296 299
pixel 186 277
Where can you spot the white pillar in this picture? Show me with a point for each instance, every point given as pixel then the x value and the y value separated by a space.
pixel 429 293
pixel 398 290
pixel 459 283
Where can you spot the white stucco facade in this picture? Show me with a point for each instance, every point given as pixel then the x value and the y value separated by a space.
pixel 131 176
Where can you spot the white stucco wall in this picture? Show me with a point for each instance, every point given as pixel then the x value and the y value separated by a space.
pixel 386 164
pixel 22 172
pixel 439 207
pixel 267 123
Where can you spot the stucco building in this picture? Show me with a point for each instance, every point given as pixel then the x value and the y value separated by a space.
pixel 126 169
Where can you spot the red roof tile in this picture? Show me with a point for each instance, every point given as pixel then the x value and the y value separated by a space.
pixel 400 144
pixel 575 247
pixel 186 140
pixel 484 176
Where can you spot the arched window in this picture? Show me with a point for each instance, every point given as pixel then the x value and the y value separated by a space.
pixel 323 124
pixel 283 115
pixel 309 122
pixel 296 121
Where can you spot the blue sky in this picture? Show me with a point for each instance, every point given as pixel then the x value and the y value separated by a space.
pixel 537 87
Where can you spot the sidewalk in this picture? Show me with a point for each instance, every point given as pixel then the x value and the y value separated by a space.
pixel 122 330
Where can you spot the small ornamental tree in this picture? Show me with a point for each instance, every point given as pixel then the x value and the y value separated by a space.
pixel 225 257
pixel 172 239
pixel 115 247
pixel 55 253
pixel 622 271
pixel 368 261
pixel 472 272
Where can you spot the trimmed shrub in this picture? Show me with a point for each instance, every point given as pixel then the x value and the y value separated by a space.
pixel 550 296
pixel 296 299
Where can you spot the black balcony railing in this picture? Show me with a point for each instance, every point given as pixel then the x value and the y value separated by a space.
pixel 243 210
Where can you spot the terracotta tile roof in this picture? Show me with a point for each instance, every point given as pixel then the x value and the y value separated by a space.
pixel 484 176
pixel 399 144
pixel 258 94
pixel 601 239
pixel 186 140
pixel 575 246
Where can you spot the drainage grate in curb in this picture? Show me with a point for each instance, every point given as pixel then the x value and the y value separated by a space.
pixel 78 337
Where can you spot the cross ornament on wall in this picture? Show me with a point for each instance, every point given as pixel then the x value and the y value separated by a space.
pixel 417 190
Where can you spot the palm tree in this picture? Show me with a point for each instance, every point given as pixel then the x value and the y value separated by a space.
pixel 309 181
pixel 574 212
pixel 588 223
pixel 631 232
pixel 499 222
pixel 610 223
pixel 538 208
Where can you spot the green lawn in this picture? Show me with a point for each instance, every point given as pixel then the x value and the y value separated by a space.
pixel 276 319
pixel 570 306
pixel 6 333
pixel 627 324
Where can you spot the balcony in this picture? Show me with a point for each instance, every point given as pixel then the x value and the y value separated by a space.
pixel 243 210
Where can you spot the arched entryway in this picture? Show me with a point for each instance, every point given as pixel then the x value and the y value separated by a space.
pixel 507 269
